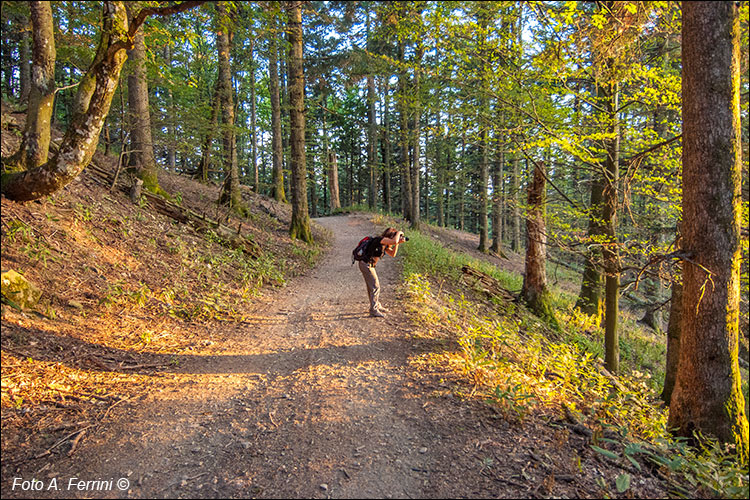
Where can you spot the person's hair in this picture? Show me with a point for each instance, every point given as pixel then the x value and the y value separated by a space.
pixel 391 232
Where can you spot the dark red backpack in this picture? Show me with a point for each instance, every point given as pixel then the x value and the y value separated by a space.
pixel 359 252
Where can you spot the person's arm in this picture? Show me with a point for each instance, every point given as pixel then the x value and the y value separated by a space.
pixel 391 244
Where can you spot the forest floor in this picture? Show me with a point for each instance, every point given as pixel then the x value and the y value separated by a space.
pixel 159 364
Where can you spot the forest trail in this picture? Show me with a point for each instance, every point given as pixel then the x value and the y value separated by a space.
pixel 310 397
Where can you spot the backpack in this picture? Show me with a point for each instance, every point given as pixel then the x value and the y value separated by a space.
pixel 359 252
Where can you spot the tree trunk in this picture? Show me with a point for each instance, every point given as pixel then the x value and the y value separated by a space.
pixel 300 226
pixel 414 177
pixel 254 122
pixel 207 146
pixel 277 174
pixel 610 252
pixel 516 218
pixel 534 290
pixel 230 194
pixel 406 190
pixel 25 63
pixel 707 395
pixel 81 138
pixel 36 137
pixel 387 146
pixel 497 199
pixel 141 141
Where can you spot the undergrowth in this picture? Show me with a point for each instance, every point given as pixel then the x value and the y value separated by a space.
pixel 518 364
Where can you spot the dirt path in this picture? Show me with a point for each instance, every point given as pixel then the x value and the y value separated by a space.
pixel 311 397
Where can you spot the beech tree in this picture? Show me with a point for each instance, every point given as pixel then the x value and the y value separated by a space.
pixel 92 102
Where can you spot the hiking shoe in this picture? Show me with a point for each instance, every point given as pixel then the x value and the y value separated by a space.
pixel 377 314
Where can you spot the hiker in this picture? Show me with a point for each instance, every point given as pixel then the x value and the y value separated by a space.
pixel 386 243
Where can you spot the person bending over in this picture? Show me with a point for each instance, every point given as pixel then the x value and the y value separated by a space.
pixel 387 243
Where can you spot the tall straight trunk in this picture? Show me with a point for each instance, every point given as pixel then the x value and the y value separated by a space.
pixel 372 139
pixel 170 118
pixel 484 149
pixel 141 140
pixel 36 137
pixel 254 121
pixel 497 198
pixel 300 225
pixel 610 252
pixel 707 396
pixel 440 170
pixel 415 210
pixel 231 190
pixel 387 146
pixel 516 216
pixel 534 290
pixel 590 299
pixel 406 189
pixel 277 174
pixel 333 167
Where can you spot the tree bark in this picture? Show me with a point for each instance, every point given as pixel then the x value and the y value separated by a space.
pixel 230 194
pixel 25 63
pixel 277 174
pixel 300 226
pixel 534 290
pixel 254 122
pixel 516 217
pixel 707 395
pixel 36 137
pixel 406 189
pixel 81 138
pixel 590 299
pixel 141 140
pixel 610 252
pixel 415 208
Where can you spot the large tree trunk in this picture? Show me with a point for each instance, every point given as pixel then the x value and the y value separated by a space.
pixel 81 138
pixel 230 194
pixel 707 396
pixel 534 290
pixel 406 189
pixel 141 140
pixel 41 95
pixel 300 226
pixel 277 174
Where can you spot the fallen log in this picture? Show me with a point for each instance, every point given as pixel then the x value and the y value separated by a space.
pixel 487 283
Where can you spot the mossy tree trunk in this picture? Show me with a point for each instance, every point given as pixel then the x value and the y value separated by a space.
pixel 80 140
pixel 41 93
pixel 707 396
pixel 534 291
pixel 300 226
pixel 142 158
pixel 230 193
pixel 673 342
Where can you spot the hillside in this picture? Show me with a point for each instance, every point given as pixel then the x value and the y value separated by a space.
pixel 170 356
